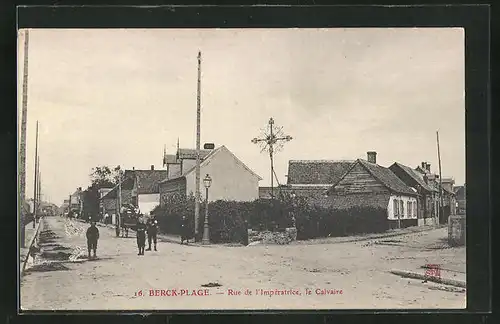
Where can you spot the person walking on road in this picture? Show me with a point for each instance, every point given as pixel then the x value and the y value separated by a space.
pixel 141 236
pixel 92 238
pixel 152 232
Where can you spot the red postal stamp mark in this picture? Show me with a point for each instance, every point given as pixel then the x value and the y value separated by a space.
pixel 433 270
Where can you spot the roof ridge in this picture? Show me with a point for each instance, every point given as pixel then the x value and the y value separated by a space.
pixel 320 161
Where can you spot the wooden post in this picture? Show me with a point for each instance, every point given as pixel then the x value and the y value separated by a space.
pixel 22 146
pixel 198 131
pixel 35 183
pixel 440 181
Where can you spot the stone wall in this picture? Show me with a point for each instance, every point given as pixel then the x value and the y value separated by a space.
pixel 456 230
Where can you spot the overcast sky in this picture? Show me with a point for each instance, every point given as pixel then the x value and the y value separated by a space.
pixel 109 97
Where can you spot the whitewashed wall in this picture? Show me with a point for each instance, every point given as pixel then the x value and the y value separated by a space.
pixel 148 202
pixel 231 180
pixel 390 208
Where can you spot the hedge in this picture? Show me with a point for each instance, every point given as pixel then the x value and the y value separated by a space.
pixel 229 220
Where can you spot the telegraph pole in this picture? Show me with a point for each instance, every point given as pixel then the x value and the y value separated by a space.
pixel 35 186
pixel 271 140
pixel 39 190
pixel 440 181
pixel 198 126
pixel 119 199
pixel 22 148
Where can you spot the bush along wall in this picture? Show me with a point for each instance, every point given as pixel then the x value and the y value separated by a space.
pixel 229 221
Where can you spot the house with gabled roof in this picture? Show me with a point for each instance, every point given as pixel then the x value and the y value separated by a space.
pixel 367 184
pixel 231 178
pixel 448 195
pixel 428 202
pixel 139 188
pixel 312 178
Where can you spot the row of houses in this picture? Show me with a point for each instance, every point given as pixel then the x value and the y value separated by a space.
pixel 410 195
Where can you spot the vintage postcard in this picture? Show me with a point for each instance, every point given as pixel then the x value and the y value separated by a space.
pixel 242 169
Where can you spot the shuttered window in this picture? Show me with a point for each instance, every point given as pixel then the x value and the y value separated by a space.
pixel 408 207
pixel 402 207
pixel 396 207
pixel 415 209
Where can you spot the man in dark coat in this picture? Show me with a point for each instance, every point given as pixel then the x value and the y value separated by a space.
pixel 92 238
pixel 141 236
pixel 152 232
pixel 185 230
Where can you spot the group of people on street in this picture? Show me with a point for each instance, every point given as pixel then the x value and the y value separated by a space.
pixel 149 228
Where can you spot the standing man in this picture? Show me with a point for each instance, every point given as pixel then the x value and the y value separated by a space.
pixel 92 238
pixel 141 235
pixel 186 232
pixel 152 231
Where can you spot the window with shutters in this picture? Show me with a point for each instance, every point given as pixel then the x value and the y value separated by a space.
pixel 396 207
pixel 402 208
pixel 408 208
pixel 415 209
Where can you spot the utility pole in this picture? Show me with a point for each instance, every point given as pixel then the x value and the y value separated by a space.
pixel 440 181
pixel 35 186
pixel 272 139
pixel 119 199
pixel 198 126
pixel 22 148
pixel 39 190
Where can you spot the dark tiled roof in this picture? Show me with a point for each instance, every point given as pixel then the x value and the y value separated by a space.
pixel 316 172
pixel 387 177
pixel 415 175
pixel 191 153
pixel 148 180
pixel 353 200
pixel 127 184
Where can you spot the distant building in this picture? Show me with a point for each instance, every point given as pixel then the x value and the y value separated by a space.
pixel 448 196
pixel 460 196
pixel 231 178
pixel 139 188
pixel 76 201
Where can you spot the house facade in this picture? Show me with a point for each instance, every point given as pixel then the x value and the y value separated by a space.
pixel 231 178
pixel 367 184
pixel 428 200
pixel 449 201
pixel 460 195
pixel 447 194
pixel 76 201
pixel 139 188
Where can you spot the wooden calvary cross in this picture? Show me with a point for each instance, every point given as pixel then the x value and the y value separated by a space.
pixel 272 139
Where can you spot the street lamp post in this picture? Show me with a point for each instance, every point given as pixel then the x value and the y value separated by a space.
pixel 206 230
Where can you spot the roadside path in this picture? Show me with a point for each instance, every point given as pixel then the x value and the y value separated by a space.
pixel 112 281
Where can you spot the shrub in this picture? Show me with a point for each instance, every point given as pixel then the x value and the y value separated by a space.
pixel 229 220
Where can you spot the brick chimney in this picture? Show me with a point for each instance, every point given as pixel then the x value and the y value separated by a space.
pixel 422 165
pixel 152 167
pixel 428 167
pixel 371 157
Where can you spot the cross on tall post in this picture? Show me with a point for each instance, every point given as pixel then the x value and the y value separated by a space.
pixel 272 139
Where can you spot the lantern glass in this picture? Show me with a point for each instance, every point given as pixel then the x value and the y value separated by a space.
pixel 207 181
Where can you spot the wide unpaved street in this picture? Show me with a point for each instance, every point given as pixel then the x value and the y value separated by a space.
pixel 60 279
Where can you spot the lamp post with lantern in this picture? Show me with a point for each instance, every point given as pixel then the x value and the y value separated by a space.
pixel 207 181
